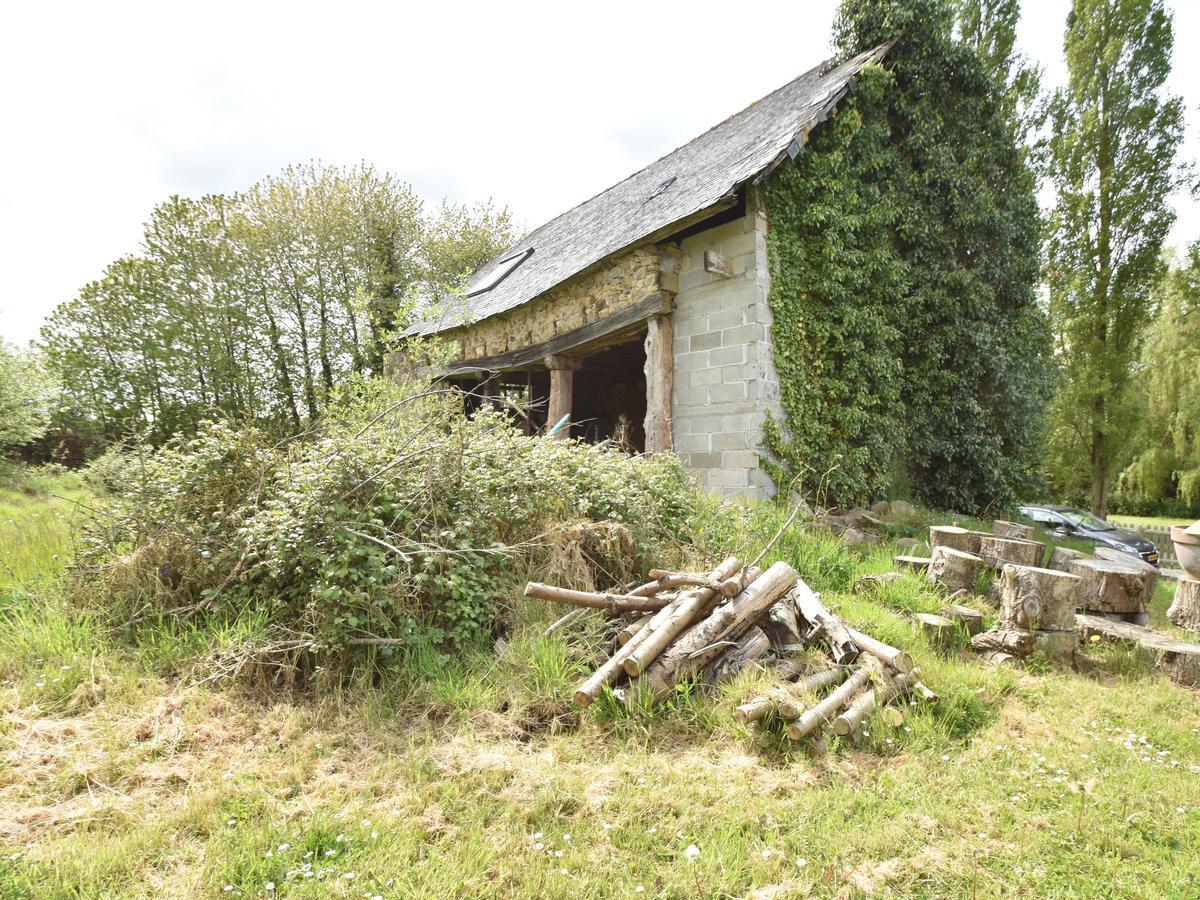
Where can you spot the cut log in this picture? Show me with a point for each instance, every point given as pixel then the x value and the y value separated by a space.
pixel 782 625
pixel 970 619
pixel 1033 599
pixel 1062 557
pixel 1013 643
pixel 626 633
pixel 611 602
pixel 1127 558
pixel 1114 587
pixel 955 538
pixel 1185 609
pixel 1057 646
pixel 955 570
pixel 674 580
pixel 937 629
pixel 996 551
pixel 843 649
pixel 885 690
pixel 926 694
pixel 794 696
pixel 897 659
pixel 587 692
pixel 1014 530
pixel 701 643
pixel 685 610
pixel 912 563
pixel 828 708
pixel 752 647
pixel 865 584
pixel 1179 660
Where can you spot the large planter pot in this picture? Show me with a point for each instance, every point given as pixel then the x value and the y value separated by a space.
pixel 1187 548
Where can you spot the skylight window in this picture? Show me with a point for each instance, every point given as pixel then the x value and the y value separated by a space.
pixel 502 270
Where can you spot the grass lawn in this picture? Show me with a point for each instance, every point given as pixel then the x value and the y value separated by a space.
pixel 127 774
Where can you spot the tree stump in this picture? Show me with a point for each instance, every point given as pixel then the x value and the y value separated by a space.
pixel 953 569
pixel 1062 557
pixel 1179 660
pixel 1013 530
pixel 955 538
pixel 1114 587
pixel 997 551
pixel 1108 553
pixel 970 619
pixel 1185 610
pixel 938 629
pixel 1034 599
pixel 913 563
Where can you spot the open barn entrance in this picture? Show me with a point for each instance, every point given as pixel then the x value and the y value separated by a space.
pixel 609 396
pixel 599 391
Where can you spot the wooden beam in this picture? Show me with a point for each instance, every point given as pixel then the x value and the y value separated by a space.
pixel 627 321
pixel 562 384
pixel 660 381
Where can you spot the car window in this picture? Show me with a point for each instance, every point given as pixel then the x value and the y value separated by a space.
pixel 1081 519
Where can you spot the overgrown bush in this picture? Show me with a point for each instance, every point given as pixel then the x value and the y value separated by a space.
pixel 398 519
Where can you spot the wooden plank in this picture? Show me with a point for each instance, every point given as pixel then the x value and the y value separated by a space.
pixel 627 321
pixel 1180 660
pixel 660 380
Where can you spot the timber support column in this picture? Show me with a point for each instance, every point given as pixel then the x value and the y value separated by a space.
pixel 660 379
pixel 562 383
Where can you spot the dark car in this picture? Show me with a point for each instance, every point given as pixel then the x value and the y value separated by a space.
pixel 1072 522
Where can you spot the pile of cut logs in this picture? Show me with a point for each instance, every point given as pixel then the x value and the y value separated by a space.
pixel 708 627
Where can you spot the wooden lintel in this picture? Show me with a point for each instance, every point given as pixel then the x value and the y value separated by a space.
pixel 629 321
pixel 569 363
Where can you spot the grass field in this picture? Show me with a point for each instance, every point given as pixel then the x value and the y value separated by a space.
pixel 126 775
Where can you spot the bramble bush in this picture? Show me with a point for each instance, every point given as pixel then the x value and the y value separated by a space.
pixel 397 518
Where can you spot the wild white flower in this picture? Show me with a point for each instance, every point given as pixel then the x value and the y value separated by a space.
pixel 567 838
pixel 349 876
pixel 651 830
pixel 766 854
pixel 283 847
pixel 639 889
pixel 537 835
pixel 801 862
pixel 692 852
pixel 539 846
pixel 228 888
pixel 270 885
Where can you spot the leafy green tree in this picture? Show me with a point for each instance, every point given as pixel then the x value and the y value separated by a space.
pixel 1111 160
pixel 27 395
pixel 1164 475
pixel 257 305
pixel 990 27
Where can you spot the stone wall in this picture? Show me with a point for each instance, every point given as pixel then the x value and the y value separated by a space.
pixel 620 282
pixel 725 379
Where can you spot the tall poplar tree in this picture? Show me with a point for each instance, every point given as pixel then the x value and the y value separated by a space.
pixel 990 28
pixel 1111 160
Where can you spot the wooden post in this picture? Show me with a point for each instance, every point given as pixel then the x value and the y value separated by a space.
pixel 562 380
pixel 660 380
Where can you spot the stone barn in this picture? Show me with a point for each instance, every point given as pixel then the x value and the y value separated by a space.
pixel 642 313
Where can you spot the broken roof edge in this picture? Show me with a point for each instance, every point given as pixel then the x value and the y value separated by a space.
pixel 452 316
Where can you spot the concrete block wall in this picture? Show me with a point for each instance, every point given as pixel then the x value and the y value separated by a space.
pixel 725 379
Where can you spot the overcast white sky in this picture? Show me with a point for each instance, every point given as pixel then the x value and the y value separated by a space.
pixel 108 108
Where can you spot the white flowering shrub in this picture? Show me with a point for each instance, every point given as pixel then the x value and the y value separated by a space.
pixel 397 518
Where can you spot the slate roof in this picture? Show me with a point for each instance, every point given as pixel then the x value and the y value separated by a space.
pixel 685 182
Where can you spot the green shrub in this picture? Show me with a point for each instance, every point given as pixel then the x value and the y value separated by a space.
pixel 399 519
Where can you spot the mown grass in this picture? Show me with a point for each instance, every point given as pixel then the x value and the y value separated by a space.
pixel 475 777
pixel 1148 521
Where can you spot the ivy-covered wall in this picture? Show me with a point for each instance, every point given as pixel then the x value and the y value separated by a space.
pixel 913 358
pixel 834 265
